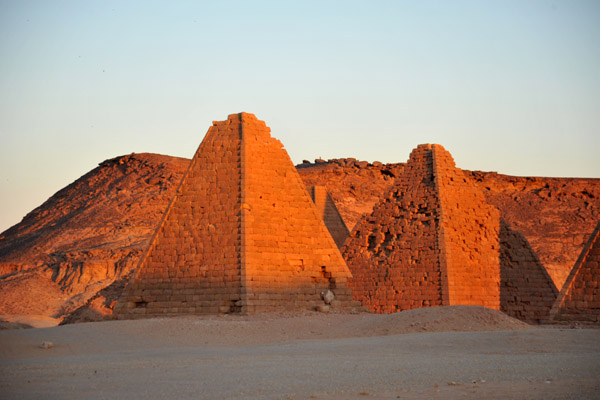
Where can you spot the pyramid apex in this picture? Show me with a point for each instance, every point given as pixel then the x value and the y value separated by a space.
pixel 238 118
pixel 241 115
pixel 429 146
pixel 248 115
pixel 425 146
pixel 429 151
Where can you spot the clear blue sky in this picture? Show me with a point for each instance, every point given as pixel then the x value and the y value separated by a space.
pixel 507 86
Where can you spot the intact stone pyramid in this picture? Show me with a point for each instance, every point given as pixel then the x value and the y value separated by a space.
pixel 432 241
pixel 579 299
pixel 240 235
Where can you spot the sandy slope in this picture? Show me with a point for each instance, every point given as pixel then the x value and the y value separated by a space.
pixel 299 356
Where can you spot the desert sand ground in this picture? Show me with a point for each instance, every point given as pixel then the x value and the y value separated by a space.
pixel 439 353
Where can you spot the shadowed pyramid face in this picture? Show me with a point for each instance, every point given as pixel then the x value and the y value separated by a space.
pixel 241 235
pixel 579 298
pixel 432 241
pixel 329 214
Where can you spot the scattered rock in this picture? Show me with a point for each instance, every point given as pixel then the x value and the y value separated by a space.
pixel 47 345
pixel 323 308
pixel 327 296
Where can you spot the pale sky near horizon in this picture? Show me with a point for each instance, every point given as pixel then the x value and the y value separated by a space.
pixel 507 86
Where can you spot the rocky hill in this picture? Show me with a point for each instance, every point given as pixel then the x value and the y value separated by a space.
pixel 355 186
pixel 81 244
pixel 556 215
pixel 86 236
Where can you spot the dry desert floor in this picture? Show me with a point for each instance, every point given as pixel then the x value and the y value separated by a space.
pixel 436 353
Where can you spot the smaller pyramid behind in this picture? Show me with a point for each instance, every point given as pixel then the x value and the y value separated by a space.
pixel 240 235
pixel 329 214
pixel 579 299
pixel 432 241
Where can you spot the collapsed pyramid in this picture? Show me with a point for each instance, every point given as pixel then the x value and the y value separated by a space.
pixel 579 299
pixel 432 241
pixel 240 235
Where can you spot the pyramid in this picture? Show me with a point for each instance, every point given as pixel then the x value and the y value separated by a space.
pixel 240 235
pixel 432 241
pixel 579 299
pixel 527 291
pixel 329 214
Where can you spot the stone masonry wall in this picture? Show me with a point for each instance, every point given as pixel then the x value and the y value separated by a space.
pixel 579 299
pixel 394 253
pixel 289 255
pixel 329 214
pixel 469 234
pixel 193 263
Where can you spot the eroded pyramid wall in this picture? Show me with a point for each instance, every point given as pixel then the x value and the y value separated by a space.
pixel 394 253
pixel 433 240
pixel 579 299
pixel 240 235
